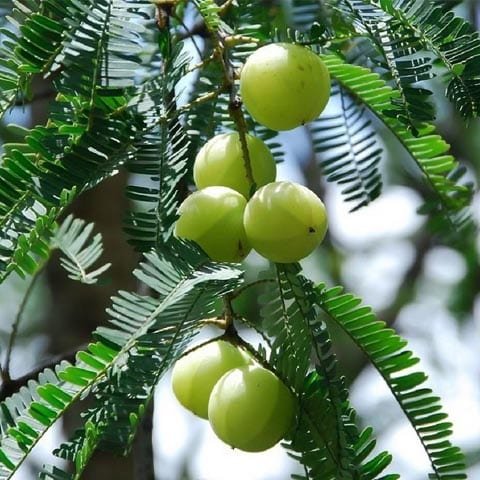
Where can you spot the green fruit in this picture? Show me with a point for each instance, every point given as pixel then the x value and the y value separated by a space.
pixel 284 85
pixel 220 162
pixel 213 218
pixel 285 221
pixel 251 409
pixel 195 374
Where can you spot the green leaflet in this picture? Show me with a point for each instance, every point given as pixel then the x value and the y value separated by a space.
pixel 386 351
pixel 159 157
pixel 453 41
pixel 325 440
pixel 174 276
pixel 349 150
pixel 209 11
pixel 428 149
pixel 71 238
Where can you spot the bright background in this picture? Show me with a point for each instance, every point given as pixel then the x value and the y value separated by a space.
pixel 370 252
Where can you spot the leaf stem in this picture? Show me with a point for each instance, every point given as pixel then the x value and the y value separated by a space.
pixel 230 329
pixel 242 290
pixel 207 97
pixel 221 46
pixel 235 110
pixel 5 371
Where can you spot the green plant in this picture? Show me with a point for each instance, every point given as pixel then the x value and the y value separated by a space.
pixel 251 409
pixel 115 70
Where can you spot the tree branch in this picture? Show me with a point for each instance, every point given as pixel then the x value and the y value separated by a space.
pixel 16 323
pixel 143 447
pixel 12 386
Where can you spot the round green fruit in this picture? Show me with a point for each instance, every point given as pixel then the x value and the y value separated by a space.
pixel 285 221
pixel 213 218
pixel 251 409
pixel 284 85
pixel 195 374
pixel 220 162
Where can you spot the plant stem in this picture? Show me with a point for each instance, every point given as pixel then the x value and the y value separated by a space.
pixel 217 322
pixel 207 97
pixel 221 43
pixel 14 384
pixel 235 110
pixel 241 290
pixel 143 446
pixel 229 317
pixel 237 39
pixel 16 323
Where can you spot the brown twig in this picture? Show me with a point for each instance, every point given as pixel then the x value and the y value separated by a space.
pixel 241 290
pixel 143 447
pixel 48 94
pixel 5 371
pixel 14 384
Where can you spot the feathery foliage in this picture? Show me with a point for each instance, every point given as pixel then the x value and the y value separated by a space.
pixel 284 322
pixel 148 331
pixel 427 149
pixel 39 178
pixel 158 159
pixel 71 238
pixel 325 440
pixel 452 40
pixel 122 397
pixel 117 78
pixel 386 351
pixel 89 132
pixel 401 57
pixel 349 151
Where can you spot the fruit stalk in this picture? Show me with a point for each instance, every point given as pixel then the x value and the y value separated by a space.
pixel 230 330
pixel 235 110
pixel 235 105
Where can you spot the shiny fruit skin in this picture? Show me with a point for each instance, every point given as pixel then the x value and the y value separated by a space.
pixel 251 409
pixel 195 374
pixel 220 162
pixel 284 85
pixel 213 218
pixel 285 221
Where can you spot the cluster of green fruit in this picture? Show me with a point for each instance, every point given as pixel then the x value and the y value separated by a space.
pixel 247 405
pixel 282 86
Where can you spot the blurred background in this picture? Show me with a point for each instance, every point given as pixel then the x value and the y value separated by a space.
pixel 386 253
